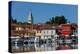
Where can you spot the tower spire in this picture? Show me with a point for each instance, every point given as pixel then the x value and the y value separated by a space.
pixel 30 17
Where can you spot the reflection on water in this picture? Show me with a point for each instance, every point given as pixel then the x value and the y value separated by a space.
pixel 32 45
pixel 19 46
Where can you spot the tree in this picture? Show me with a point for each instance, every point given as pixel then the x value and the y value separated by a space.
pixel 12 20
pixel 51 21
pixel 57 20
pixel 60 20
pixel 48 22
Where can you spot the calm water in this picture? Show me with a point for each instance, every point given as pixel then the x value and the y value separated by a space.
pixel 19 46
pixel 29 44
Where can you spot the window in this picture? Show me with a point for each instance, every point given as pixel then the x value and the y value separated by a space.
pixel 47 31
pixel 44 31
pixel 40 31
pixel 29 20
pixel 51 32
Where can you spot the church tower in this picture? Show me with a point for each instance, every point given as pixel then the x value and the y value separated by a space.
pixel 30 18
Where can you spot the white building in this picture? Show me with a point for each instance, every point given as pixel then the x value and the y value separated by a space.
pixel 48 33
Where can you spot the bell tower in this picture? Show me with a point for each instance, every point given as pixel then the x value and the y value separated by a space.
pixel 30 17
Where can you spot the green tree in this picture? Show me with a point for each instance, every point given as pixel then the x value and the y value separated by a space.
pixel 57 20
pixel 48 22
pixel 51 21
pixel 60 20
pixel 12 20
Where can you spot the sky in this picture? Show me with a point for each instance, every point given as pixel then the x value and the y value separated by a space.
pixel 43 11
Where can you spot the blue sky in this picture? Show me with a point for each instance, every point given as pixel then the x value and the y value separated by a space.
pixel 42 11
